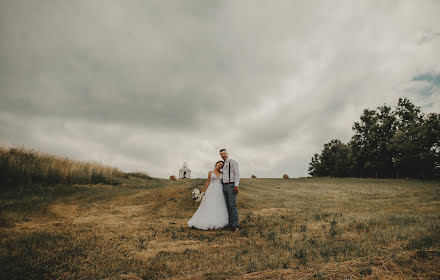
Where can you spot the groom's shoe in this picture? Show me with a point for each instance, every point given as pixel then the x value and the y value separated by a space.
pixel 231 228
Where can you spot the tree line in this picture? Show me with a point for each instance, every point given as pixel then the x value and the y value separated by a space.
pixel 387 143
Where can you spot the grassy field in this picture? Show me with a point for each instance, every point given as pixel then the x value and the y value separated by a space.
pixel 311 228
pixel 19 165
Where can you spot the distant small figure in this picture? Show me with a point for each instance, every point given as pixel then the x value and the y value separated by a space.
pixel 253 177
pixel 173 178
pixel 285 176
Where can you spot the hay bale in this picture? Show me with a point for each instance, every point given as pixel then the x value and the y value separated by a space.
pixel 285 176
pixel 253 177
pixel 173 178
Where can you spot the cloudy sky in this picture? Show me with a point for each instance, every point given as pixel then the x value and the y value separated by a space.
pixel 147 85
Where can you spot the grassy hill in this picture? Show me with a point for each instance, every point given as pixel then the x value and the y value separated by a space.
pixel 321 228
pixel 22 166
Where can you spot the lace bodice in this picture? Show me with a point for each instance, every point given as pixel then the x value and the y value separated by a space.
pixel 214 177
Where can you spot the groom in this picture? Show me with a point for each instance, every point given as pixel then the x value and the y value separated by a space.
pixel 230 180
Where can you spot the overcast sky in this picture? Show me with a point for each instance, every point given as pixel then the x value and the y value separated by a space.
pixel 147 85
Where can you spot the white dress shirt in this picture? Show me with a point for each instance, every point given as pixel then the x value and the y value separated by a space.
pixel 235 173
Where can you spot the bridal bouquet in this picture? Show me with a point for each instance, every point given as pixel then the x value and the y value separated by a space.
pixel 197 195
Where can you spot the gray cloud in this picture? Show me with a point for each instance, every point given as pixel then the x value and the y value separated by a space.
pixel 146 85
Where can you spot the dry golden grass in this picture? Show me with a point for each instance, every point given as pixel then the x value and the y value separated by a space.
pixel 21 165
pixel 291 229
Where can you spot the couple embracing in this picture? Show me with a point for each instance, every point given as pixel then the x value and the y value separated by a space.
pixel 218 208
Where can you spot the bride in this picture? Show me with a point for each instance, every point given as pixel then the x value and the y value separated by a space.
pixel 212 212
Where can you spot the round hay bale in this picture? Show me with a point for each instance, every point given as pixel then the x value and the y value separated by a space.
pixel 173 178
pixel 253 177
pixel 285 176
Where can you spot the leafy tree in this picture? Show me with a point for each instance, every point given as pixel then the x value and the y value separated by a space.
pixel 334 160
pixel 417 147
pixel 386 143
pixel 316 168
pixel 405 143
pixel 431 142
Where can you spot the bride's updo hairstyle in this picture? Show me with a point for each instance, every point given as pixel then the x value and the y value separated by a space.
pixel 217 163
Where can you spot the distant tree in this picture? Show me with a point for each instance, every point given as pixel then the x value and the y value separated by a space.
pixel 316 168
pixel 431 142
pixel 408 115
pixel 386 131
pixel 334 160
pixel 405 142
pixel 365 145
pixel 417 142
pixel 386 143
pixel 370 146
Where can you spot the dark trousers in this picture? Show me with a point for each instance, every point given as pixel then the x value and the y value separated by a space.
pixel 231 204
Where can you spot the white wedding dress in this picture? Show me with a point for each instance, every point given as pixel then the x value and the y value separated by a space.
pixel 212 212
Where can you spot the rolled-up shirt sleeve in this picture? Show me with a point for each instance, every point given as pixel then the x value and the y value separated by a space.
pixel 236 173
